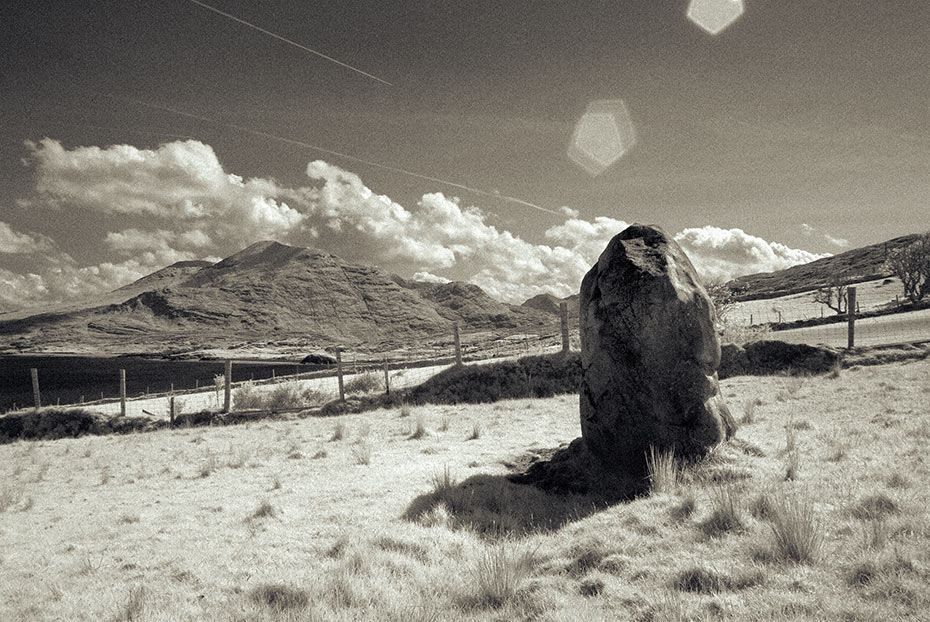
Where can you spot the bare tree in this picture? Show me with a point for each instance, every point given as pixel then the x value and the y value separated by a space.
pixel 911 264
pixel 722 297
pixel 833 295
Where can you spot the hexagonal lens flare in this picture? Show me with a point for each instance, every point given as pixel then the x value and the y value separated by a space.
pixel 602 135
pixel 714 15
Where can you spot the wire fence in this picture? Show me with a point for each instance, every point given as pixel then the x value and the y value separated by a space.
pixel 405 367
pixel 411 364
pixel 880 316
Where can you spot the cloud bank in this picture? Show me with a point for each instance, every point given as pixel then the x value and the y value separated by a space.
pixel 192 208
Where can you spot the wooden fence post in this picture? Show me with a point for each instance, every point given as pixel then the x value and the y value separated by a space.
pixel 458 345
pixel 122 393
pixel 35 388
pixel 227 391
pixel 387 379
pixel 171 410
pixel 851 314
pixel 563 312
pixel 342 391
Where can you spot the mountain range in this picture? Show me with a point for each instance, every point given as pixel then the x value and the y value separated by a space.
pixel 266 291
pixel 279 294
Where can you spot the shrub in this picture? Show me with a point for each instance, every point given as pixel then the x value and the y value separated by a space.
pixel 911 264
pixel 475 432
pixel 283 396
pixel 339 431
pixel 368 382
pixel 247 397
pixel 312 397
pixel 798 534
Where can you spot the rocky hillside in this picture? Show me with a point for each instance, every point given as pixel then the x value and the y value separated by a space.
pixel 853 266
pixel 550 304
pixel 268 290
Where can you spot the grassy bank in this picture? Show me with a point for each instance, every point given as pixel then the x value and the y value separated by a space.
pixel 815 512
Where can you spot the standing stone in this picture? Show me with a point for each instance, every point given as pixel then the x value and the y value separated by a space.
pixel 649 355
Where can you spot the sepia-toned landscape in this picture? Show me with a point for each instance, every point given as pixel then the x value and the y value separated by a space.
pixel 427 311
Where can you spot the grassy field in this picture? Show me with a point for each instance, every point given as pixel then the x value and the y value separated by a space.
pixel 816 511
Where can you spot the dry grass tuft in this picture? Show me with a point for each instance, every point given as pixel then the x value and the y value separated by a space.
pixel 264 510
pixel 361 452
pixel 280 597
pixel 420 432
pixel 685 508
pixel 726 514
pixel 498 575
pixel 798 533
pixel 873 507
pixel 11 492
pixel 792 454
pixel 663 470
pixel 135 607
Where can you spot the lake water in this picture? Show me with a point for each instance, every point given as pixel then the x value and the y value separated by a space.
pixel 68 378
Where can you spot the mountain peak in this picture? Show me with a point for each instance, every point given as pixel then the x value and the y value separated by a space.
pixel 267 253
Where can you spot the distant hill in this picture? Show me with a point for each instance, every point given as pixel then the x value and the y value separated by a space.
pixel 266 291
pixel 853 266
pixel 551 304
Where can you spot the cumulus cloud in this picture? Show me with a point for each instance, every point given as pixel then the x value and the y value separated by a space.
pixel 60 279
pixel 15 243
pixel 428 277
pixel 840 242
pixel 182 183
pixel 723 254
pixel 192 207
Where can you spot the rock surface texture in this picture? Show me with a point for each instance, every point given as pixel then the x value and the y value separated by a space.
pixel 649 355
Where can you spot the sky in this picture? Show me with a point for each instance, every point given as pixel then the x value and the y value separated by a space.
pixel 136 134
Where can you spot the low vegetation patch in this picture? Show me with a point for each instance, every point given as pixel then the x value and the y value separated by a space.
pixel 498 574
pixel 280 597
pixel 797 532
pixel 267 534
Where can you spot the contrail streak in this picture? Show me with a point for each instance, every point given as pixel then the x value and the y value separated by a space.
pixel 288 41
pixel 307 145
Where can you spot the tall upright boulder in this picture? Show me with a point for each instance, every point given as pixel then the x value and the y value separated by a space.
pixel 649 355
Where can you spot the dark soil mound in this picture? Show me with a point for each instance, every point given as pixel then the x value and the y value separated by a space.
pixel 771 357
